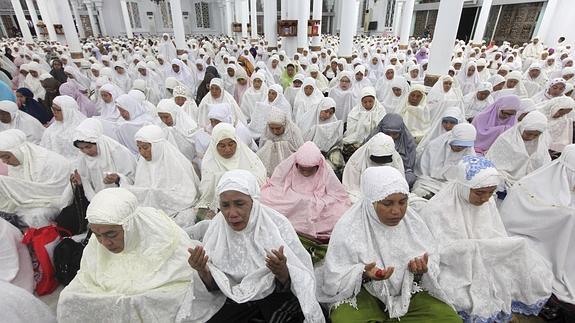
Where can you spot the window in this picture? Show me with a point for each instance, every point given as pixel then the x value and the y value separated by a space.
pixel 134 14
pixel 202 15
pixel 166 11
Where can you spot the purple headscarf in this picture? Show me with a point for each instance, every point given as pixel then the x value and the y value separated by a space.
pixel 87 107
pixel 489 125
pixel 421 55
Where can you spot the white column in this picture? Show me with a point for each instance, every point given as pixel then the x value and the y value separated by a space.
pixel 34 16
pixel 397 18
pixel 283 9
pixel 78 18
pixel 348 18
pixel 229 18
pixel 100 14
pixel 547 21
pixel 316 15
pixel 303 17
pixel 126 17
pixel 67 21
pixel 22 23
pixel 178 23
pixel 254 19
pixel 271 24
pixel 244 15
pixel 89 6
pixel 482 22
pixel 47 20
pixel 406 21
pixel 291 11
pixel 444 37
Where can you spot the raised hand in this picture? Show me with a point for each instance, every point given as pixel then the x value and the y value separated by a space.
pixel 277 264
pixel 372 272
pixel 111 179
pixel 75 178
pixel 198 260
pixel 418 265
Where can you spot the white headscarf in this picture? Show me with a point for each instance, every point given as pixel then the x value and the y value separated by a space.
pixel 182 130
pixel 108 111
pixel 237 258
pixel 58 136
pixel 343 99
pixel 139 117
pixel 152 269
pixel 225 97
pixel 304 106
pixel 22 121
pixel 325 134
pixel 251 96
pixel 390 101
pixel 472 105
pixel 361 122
pixel 560 129
pixel 359 238
pixel 436 129
pixel 417 118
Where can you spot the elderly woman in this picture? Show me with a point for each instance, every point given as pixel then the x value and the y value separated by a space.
pixel 58 136
pixel 559 113
pixel 415 112
pixel 225 152
pixel 13 118
pixel 103 162
pixel 440 158
pixel 494 120
pixel 382 262
pixel 37 186
pixel 218 95
pixel 252 266
pixel 133 268
pixel 483 270
pixel 539 208
pixel 305 189
pixel 521 149
pixel 281 138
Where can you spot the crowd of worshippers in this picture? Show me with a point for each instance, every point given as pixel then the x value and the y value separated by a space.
pixel 235 184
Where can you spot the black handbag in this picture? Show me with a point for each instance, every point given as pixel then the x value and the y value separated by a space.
pixel 73 217
pixel 67 257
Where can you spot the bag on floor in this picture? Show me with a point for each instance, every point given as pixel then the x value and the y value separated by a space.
pixel 67 257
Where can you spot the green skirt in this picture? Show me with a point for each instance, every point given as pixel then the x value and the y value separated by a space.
pixel 423 308
pixel 316 249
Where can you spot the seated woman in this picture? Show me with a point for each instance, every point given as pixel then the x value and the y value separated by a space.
pixel 362 120
pixel 87 107
pixel 305 189
pixel 37 186
pixel 58 136
pixel 494 120
pixel 107 109
pixel 280 139
pixel 260 110
pixel 183 101
pixel 539 208
pixel 16 265
pixel 394 94
pixel 393 126
pixel 218 95
pixel 26 103
pixel 13 118
pixel 103 162
pixel 226 152
pixel 327 134
pixel 521 149
pixel 19 305
pixel 382 262
pixel 257 92
pixel 483 270
pixel 179 127
pixel 415 112
pixel 440 158
pixel 252 266
pixel 343 95
pixel 134 116
pixel 133 268
pixel 443 95
pixel 559 113
pixel 164 178
pixel 377 151
pixel 305 103
pixel 475 102
pixel 448 119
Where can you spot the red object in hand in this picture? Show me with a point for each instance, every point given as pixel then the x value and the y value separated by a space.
pixel 379 273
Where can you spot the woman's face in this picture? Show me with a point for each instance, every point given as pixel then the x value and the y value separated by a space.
pixel 180 100
pixel 499 86
pixel 166 118
pixel 396 91
pixel 231 72
pixel 175 68
pixel 505 114
pixel 242 81
pixel 529 135
pixel 124 113
pixel 215 91
pixel 20 99
pixel 415 98
pixel 414 74
pixel 307 171
pixel 368 102
pixel 88 148
pixel 290 70
pixel 394 135
pixel 257 83
pixel 106 97
pixel 111 236
pixel 359 76
pixel 391 210
pixel 277 129
pixel 561 112
pixel 145 150
pixel 326 114
pixel 120 70
pixel 534 73
pixel 308 90
pixel 511 83
pixel 448 125
pixel 57 111
pixel 200 67
pixel 447 86
pixel 478 196
pixel 57 65
pixel 236 208
pixel 470 71
pixel 389 74
pixel 482 95
pixel 226 148
pixel 503 72
pixel 344 83
pixel 556 90
pixel 272 95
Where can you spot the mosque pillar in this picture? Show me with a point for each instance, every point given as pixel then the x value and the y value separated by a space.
pixel 303 17
pixel 47 20
pixel 397 18
pixel 67 21
pixel 22 23
pixel 126 16
pixel 547 21
pixel 348 17
pixel 444 34
pixel 316 15
pixel 244 17
pixel 178 23
pixel 482 22
pixel 81 31
pixel 271 24
pixel 406 18
pixel 229 18
pixel 34 15
pixel 290 11
pixel 254 20
pixel 100 14
pixel 89 6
